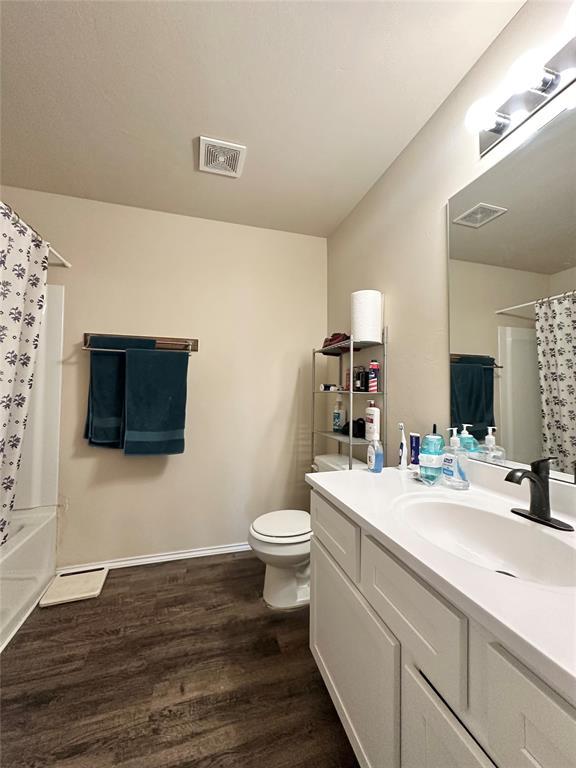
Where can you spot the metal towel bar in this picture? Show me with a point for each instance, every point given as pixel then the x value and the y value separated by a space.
pixel 166 343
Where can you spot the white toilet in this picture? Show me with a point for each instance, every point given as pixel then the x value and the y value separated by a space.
pixel 281 539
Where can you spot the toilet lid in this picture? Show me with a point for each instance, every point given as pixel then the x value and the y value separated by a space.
pixel 283 523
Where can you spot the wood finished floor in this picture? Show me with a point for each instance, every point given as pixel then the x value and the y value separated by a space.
pixel 174 665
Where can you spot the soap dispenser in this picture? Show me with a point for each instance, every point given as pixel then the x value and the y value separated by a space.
pixel 455 464
pixel 468 441
pixel 491 452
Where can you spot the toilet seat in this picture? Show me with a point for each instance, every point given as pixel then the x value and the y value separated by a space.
pixel 284 526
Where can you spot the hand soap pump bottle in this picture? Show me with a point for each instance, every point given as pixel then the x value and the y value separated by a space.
pixel 491 452
pixel 375 456
pixel 467 441
pixel 455 464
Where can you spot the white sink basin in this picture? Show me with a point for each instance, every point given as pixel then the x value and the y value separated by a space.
pixel 496 540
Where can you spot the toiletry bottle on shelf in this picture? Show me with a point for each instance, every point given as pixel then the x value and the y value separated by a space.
pixel 414 449
pixel 468 441
pixel 375 456
pixel 372 419
pixel 374 376
pixel 455 464
pixel 338 416
pixel 430 458
pixel 491 452
pixel 403 452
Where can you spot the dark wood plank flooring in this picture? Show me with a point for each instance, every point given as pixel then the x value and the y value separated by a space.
pixel 174 665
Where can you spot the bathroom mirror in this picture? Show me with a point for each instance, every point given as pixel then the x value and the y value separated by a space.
pixel 512 277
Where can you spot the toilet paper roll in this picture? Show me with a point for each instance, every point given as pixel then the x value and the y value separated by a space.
pixel 367 316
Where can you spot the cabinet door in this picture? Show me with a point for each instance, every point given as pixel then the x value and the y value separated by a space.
pixel 431 736
pixel 529 726
pixel 359 660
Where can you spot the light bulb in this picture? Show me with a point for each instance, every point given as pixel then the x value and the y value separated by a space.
pixel 526 72
pixel 480 116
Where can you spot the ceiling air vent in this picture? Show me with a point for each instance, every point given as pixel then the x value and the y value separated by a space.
pixel 481 214
pixel 221 157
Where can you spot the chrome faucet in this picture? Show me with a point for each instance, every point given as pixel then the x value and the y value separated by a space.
pixel 539 476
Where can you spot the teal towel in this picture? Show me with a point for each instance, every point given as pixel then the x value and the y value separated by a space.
pixel 105 413
pixel 472 394
pixel 155 402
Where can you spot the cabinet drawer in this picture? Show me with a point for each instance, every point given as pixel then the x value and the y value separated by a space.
pixel 359 660
pixel 431 735
pixel 434 631
pixel 529 726
pixel 340 536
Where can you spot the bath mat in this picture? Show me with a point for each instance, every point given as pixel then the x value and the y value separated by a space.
pixel 78 585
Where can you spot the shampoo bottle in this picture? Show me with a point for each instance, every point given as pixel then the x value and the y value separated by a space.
pixel 372 419
pixel 455 464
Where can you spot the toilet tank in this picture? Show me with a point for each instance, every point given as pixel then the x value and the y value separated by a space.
pixel 333 462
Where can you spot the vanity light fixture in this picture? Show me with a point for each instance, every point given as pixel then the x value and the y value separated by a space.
pixel 531 82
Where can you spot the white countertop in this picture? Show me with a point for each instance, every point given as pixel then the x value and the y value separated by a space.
pixel 536 622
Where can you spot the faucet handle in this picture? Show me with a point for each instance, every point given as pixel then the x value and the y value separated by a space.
pixel 541 467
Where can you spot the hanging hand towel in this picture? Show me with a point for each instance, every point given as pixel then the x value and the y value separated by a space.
pixel 105 417
pixel 472 393
pixel 155 402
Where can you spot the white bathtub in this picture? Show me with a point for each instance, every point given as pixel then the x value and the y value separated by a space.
pixel 27 565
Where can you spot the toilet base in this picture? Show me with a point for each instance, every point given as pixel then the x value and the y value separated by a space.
pixel 286 588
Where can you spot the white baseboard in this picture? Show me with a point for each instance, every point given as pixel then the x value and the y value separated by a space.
pixel 162 557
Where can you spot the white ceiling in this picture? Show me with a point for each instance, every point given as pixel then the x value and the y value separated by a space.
pixel 103 99
pixel 537 183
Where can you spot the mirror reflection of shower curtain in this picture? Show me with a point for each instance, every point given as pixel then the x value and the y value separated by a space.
pixel 556 340
pixel 24 262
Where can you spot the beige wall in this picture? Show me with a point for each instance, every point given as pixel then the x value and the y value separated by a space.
pixel 563 281
pixel 476 292
pixel 256 300
pixel 395 239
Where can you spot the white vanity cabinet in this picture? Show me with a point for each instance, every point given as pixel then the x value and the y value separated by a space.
pixel 416 683
pixel 359 660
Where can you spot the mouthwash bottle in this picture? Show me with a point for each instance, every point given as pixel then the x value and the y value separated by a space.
pixel 430 458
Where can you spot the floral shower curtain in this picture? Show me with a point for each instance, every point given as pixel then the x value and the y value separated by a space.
pixel 23 265
pixel 556 342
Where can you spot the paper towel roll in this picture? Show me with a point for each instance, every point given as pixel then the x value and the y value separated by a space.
pixel 367 316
